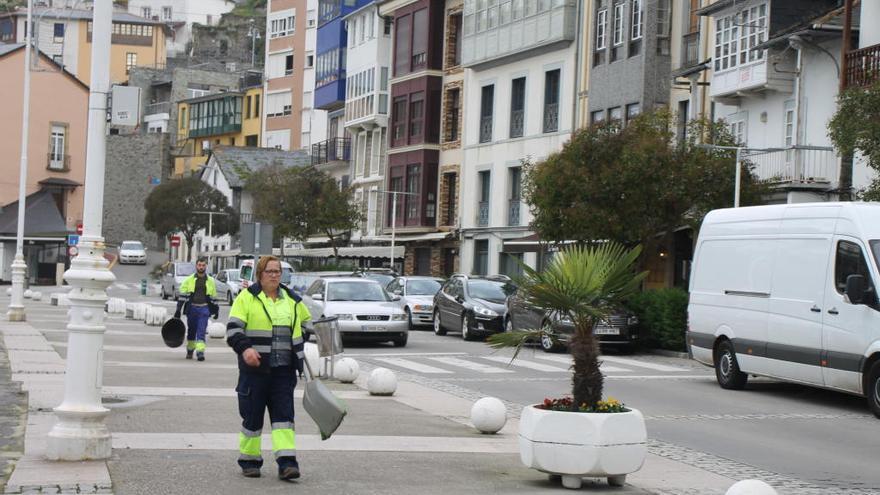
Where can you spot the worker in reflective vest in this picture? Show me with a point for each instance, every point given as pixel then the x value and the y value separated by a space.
pixel 197 294
pixel 265 331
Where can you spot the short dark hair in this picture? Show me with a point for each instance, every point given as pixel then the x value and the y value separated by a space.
pixel 202 259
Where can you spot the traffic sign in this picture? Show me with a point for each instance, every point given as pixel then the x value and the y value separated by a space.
pixel 175 240
pixel 72 240
pixel 72 251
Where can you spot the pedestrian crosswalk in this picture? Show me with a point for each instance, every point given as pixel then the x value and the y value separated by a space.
pixel 124 286
pixel 438 364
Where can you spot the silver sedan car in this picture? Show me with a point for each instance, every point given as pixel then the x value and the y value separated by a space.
pixel 364 309
pixel 416 298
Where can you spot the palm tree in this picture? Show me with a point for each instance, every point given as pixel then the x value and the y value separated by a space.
pixel 587 284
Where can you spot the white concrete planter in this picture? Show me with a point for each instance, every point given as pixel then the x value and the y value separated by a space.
pixel 574 445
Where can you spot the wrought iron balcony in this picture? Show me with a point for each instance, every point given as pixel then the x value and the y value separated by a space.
pixel 690 50
pixel 485 129
pixel 157 108
pixel 331 150
pixel 796 164
pixel 513 210
pixel 483 214
pixel 517 123
pixel 551 117
pixel 862 67
pixel 57 162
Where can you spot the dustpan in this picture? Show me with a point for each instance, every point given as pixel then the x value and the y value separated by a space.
pixel 325 409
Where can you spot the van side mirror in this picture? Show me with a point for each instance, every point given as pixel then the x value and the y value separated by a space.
pixel 318 297
pixel 855 289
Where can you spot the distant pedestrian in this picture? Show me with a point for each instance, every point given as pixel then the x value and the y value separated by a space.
pixel 265 330
pixel 197 293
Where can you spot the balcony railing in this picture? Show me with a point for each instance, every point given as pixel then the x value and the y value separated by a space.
pixel 513 210
pixel 551 117
pixel 331 150
pixel 157 108
pixel 485 129
pixel 57 162
pixel 483 214
pixel 862 67
pixel 690 50
pixel 517 123
pixel 799 164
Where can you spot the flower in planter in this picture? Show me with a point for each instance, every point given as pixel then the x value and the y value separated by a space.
pixel 587 284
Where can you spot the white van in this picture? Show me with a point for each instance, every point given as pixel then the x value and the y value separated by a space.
pixel 248 272
pixel 789 292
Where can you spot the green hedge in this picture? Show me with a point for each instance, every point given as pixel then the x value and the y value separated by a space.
pixel 662 317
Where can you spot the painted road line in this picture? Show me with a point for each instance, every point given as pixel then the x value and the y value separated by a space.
pixel 132 333
pixel 352 443
pixel 526 364
pixel 470 365
pixel 133 348
pixel 216 392
pixel 182 364
pixel 407 354
pixel 567 360
pixel 412 365
pixel 643 364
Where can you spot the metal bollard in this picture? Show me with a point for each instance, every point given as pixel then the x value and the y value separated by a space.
pixel 143 287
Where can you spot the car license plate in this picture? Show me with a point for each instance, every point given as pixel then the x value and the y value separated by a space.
pixel 372 328
pixel 603 330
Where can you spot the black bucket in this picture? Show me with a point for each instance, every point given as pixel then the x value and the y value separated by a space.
pixel 174 332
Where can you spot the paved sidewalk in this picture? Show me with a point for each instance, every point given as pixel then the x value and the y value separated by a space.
pixel 175 423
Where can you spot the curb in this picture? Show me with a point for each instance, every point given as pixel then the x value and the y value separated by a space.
pixel 664 352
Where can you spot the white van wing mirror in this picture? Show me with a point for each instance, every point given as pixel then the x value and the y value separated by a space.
pixel 855 289
pixel 318 297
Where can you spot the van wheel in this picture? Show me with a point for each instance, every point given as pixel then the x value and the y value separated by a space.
pixel 727 369
pixel 872 389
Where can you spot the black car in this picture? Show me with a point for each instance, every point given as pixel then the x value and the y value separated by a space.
pixel 621 329
pixel 472 305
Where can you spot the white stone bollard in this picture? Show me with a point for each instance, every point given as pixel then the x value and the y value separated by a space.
pixel 116 306
pixel 64 300
pixel 313 357
pixel 129 311
pixel 488 415
pixel 37 296
pixel 28 294
pixel 216 330
pixel 139 311
pixel 382 381
pixel 751 487
pixel 347 370
pixel 156 316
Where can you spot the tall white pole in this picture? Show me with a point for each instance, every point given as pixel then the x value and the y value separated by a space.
pixel 79 432
pixel 19 267
pixel 393 224
pixel 736 187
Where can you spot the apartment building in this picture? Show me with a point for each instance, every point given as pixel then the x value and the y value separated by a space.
pixel 179 16
pixel 519 101
pixel 65 35
pixel 367 96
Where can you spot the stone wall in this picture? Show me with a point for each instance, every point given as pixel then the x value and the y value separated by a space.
pixel 134 162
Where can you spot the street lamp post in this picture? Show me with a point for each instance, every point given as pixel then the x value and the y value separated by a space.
pixel 738 164
pixel 394 216
pixel 210 225
pixel 79 432
pixel 19 267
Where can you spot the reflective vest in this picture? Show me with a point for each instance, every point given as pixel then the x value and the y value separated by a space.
pixel 250 326
pixel 189 286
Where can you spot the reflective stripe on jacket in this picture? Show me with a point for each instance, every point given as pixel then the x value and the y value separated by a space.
pixel 189 286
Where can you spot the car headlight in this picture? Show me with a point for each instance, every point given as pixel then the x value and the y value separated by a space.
pixel 632 320
pixel 422 307
pixel 344 317
pixel 400 317
pixel 482 310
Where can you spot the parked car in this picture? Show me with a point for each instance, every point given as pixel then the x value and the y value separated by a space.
pixel 472 305
pixel 382 275
pixel 174 274
pixel 132 252
pixel 228 283
pixel 621 329
pixel 247 273
pixel 363 308
pixel 789 292
pixel 301 281
pixel 416 297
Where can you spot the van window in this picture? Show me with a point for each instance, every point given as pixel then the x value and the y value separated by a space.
pixel 246 272
pixel 850 261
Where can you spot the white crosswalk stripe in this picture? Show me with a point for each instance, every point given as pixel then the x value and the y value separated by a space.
pixel 567 360
pixel 412 365
pixel 642 364
pixel 470 365
pixel 522 363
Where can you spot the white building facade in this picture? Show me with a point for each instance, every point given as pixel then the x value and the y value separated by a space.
pixel 518 105
pixel 180 15
pixel 314 121
pixel 366 114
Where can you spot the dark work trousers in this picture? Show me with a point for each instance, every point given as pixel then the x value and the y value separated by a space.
pixel 274 390
pixel 196 325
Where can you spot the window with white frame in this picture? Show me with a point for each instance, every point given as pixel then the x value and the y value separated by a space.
pixel 282 25
pixel 617 31
pixel 311 18
pixel 278 104
pixel 788 129
pixel 131 59
pixel 636 9
pixel 277 66
pixel 737 35
pixel 601 26
pixel 146 12
pixel 738 129
pixel 57 159
pixel 167 13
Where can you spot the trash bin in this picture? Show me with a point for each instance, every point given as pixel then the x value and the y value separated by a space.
pixel 143 287
pixel 329 341
pixel 173 332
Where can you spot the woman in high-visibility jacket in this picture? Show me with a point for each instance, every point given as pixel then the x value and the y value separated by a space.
pixel 265 330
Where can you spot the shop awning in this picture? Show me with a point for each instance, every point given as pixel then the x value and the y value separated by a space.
pixel 41 216
pixel 403 239
pixel 531 243
pixel 381 252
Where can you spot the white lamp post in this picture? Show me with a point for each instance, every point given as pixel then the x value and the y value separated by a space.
pixel 394 216
pixel 19 268
pixel 79 432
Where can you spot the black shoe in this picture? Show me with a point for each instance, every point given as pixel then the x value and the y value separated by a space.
pixel 251 472
pixel 200 356
pixel 189 354
pixel 288 473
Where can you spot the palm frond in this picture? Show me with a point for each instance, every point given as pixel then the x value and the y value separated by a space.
pixel 515 340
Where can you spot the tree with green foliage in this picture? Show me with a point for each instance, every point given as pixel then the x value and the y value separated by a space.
pixel 632 183
pixel 855 127
pixel 171 207
pixel 302 202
